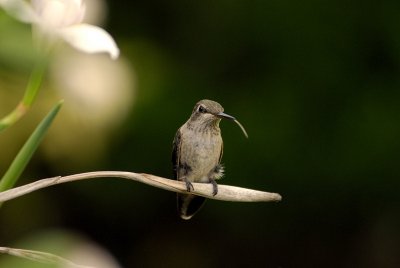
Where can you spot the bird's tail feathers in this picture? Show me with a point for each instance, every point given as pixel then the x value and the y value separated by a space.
pixel 189 204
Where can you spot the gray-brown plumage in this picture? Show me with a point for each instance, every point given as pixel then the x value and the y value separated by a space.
pixel 197 152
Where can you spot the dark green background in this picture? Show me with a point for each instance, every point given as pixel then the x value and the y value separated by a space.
pixel 317 86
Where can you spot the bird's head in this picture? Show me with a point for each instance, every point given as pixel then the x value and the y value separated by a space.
pixel 209 113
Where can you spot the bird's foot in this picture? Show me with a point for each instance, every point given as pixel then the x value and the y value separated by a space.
pixel 189 185
pixel 215 187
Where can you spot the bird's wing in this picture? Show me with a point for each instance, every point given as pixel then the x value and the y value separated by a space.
pixel 176 148
pixel 221 153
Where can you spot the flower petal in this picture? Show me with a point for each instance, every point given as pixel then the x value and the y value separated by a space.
pixel 20 10
pixel 90 39
pixel 56 14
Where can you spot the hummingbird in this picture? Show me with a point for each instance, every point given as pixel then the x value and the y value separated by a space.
pixel 197 153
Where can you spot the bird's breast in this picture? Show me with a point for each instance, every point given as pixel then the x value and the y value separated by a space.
pixel 200 152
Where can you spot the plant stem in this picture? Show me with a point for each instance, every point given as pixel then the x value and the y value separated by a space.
pixel 31 92
pixel 225 192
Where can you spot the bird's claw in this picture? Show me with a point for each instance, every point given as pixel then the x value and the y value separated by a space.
pixel 215 187
pixel 189 186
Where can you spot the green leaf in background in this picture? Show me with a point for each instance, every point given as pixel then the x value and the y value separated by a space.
pixel 25 154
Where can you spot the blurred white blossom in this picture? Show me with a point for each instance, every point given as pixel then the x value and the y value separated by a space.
pixel 64 243
pixel 99 95
pixel 96 89
pixel 53 19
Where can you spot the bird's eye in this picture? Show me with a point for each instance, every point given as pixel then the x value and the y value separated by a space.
pixel 202 109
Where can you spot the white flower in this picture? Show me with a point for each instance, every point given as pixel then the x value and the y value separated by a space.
pixel 100 91
pixel 100 94
pixel 62 19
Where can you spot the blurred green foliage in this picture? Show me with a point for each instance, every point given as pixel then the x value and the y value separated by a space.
pixel 317 86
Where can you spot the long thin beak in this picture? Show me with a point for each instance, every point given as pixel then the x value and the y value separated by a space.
pixel 227 116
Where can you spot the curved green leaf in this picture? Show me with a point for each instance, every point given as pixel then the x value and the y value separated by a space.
pixel 25 154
